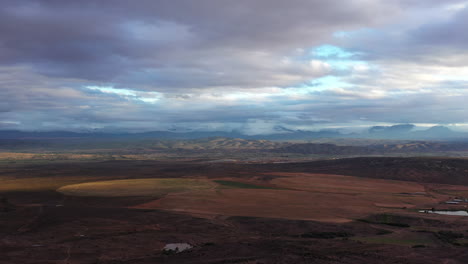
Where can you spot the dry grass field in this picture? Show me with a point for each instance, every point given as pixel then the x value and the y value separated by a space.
pixel 45 156
pixel 136 187
pixel 47 183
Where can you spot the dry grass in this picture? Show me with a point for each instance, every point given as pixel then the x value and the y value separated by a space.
pixel 136 187
pixel 9 184
pixel 44 156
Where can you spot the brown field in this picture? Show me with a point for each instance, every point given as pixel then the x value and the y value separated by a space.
pixel 319 197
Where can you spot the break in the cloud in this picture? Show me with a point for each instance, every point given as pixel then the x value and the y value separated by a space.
pixel 223 65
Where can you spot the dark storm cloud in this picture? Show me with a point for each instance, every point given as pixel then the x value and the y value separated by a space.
pixel 432 34
pixel 173 43
pixel 450 33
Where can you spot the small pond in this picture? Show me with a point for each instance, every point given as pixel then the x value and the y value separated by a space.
pixel 445 212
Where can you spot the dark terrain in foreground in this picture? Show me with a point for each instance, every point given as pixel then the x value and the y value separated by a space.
pixel 41 225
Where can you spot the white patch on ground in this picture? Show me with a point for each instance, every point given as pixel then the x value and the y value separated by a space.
pixel 177 247
pixel 462 213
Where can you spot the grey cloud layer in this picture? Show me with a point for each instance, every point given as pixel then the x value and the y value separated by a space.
pixel 228 64
pixel 174 43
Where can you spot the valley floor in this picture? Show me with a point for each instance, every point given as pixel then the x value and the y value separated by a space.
pixel 128 211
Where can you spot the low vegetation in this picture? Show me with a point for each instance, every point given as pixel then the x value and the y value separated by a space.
pixel 392 241
pixel 385 219
pixel 449 236
pixel 326 235
pixel 243 185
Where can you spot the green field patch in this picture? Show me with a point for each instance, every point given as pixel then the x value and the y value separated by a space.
pixel 242 185
pixel 136 187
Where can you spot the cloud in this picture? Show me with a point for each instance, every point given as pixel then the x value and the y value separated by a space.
pixel 219 64
pixel 165 45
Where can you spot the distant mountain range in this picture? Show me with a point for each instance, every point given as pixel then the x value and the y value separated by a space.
pixel 407 131
pixel 403 131
pixel 335 147
pixel 290 135
pixel 377 149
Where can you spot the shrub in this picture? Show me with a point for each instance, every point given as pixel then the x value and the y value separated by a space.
pixel 326 235
pixel 448 236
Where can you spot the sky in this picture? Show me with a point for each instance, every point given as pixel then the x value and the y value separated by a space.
pixel 246 65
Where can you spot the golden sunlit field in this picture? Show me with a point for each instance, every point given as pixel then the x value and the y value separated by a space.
pixel 136 187
pixel 45 183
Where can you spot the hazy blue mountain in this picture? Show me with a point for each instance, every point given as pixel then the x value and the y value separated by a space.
pixel 407 131
pixel 403 131
pixel 289 135
pixel 396 129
